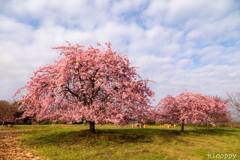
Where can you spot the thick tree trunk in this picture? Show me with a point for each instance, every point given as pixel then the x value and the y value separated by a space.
pixel 92 127
pixel 2 123
pixel 182 126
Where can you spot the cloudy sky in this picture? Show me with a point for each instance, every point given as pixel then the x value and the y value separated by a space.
pixel 193 45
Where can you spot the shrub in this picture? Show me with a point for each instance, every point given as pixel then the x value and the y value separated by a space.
pixel 149 122
pixel 60 122
pixel 46 122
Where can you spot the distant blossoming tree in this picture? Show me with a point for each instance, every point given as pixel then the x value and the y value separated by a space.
pixel 99 86
pixel 189 108
pixel 7 111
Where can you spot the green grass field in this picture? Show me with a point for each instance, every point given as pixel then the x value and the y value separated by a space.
pixel 73 142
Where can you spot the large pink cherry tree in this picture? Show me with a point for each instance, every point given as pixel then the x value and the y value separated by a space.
pixel 98 86
pixel 188 108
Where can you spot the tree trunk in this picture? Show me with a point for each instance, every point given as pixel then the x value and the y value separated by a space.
pixel 2 123
pixel 92 127
pixel 182 126
pixel 208 125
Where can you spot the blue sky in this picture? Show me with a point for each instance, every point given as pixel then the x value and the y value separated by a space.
pixel 193 45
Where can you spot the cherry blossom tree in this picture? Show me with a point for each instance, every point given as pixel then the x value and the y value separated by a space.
pixel 186 107
pixel 217 111
pixel 98 86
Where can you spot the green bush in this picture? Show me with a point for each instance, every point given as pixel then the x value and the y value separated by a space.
pixel 60 122
pixel 46 122
pixel 149 122
pixel 223 125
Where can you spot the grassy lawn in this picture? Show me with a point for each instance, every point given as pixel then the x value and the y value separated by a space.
pixel 110 142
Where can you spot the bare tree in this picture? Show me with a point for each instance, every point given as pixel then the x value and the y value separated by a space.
pixel 234 103
pixel 7 111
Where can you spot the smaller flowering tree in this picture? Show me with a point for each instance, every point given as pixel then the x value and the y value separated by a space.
pixel 187 108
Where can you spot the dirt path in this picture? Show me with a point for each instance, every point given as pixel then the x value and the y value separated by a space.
pixel 9 150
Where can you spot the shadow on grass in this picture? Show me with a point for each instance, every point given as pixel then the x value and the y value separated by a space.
pixel 106 137
pixel 212 131
pixel 83 137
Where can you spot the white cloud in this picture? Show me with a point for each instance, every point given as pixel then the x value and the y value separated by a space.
pixel 120 7
pixel 14 31
pixel 208 32
pixel 185 63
